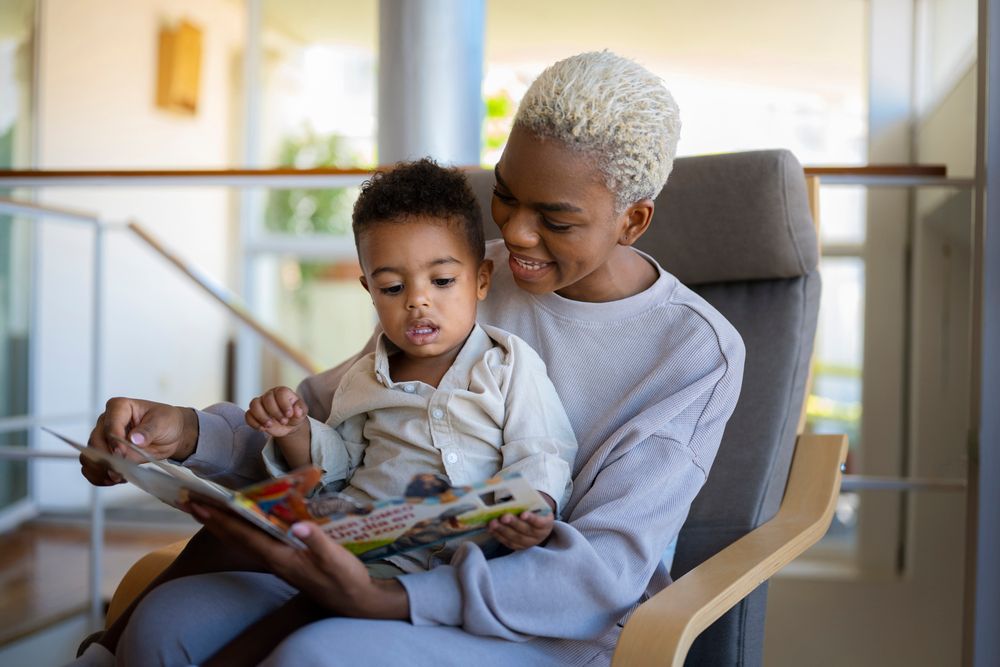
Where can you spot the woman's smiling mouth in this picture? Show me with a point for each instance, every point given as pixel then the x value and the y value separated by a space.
pixel 528 269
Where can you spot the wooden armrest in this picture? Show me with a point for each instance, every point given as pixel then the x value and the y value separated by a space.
pixel 139 576
pixel 662 629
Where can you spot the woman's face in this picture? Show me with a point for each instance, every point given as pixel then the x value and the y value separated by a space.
pixel 558 219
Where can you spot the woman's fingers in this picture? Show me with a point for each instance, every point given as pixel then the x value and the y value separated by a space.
pixel 115 421
pixel 330 556
pixel 160 429
pixel 97 473
pixel 235 530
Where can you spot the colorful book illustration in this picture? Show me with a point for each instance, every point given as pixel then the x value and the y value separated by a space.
pixel 430 510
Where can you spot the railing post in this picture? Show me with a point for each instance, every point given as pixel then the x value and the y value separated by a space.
pixel 96 500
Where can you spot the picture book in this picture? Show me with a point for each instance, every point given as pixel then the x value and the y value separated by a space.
pixel 430 510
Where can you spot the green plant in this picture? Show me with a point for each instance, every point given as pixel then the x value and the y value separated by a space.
pixel 310 211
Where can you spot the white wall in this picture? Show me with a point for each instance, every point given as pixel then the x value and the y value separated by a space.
pixel 164 340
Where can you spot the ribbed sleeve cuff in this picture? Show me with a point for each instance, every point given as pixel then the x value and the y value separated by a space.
pixel 435 596
pixel 214 451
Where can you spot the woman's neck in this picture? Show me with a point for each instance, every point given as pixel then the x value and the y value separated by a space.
pixel 625 274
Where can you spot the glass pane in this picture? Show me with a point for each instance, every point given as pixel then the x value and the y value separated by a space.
pixel 16 67
pixel 318 105
pixel 834 404
pixel 843 215
pixel 319 308
pixel 13 474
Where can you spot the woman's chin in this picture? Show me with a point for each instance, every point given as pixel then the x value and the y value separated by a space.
pixel 534 286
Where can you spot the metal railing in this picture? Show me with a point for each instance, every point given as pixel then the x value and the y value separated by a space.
pixel 229 300
pixel 34 211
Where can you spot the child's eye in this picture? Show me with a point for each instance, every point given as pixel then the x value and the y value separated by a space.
pixel 443 282
pixel 391 290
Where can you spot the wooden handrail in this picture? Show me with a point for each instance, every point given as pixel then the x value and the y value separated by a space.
pixel 230 301
pixel 930 170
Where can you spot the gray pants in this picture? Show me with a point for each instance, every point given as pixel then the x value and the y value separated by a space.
pixel 185 621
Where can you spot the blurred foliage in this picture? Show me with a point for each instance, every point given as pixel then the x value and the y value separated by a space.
pixel 301 211
pixel 311 211
pixel 499 117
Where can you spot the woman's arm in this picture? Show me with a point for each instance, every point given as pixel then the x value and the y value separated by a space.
pixel 216 443
pixel 630 500
pixel 325 571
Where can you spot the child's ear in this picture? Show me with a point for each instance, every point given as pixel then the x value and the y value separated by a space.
pixel 364 283
pixel 484 277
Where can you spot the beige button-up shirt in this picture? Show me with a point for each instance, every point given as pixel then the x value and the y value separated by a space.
pixel 494 410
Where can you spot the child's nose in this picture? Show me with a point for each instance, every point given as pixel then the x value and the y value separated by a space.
pixel 418 299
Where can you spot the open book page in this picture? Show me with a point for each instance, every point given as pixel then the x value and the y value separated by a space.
pixel 430 510
pixel 172 483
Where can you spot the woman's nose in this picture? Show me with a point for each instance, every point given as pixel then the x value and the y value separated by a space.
pixel 520 229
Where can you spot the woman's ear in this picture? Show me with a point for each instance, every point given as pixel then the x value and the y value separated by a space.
pixel 636 219
pixel 364 283
pixel 484 277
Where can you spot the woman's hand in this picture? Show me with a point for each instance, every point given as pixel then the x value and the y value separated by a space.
pixel 325 571
pixel 164 431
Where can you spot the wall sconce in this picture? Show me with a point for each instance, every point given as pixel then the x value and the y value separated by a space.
pixel 179 68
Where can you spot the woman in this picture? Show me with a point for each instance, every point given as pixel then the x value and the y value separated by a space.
pixel 648 372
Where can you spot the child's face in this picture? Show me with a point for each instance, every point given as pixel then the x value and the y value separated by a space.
pixel 425 284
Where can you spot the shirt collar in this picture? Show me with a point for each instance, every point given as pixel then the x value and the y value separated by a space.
pixel 457 376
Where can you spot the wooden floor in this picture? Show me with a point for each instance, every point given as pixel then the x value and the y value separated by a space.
pixel 43 568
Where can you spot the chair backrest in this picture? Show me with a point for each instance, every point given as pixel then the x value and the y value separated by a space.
pixel 736 228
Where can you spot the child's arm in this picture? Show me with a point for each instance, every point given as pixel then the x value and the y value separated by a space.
pixel 281 413
pixel 524 531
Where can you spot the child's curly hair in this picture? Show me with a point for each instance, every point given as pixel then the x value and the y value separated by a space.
pixel 420 188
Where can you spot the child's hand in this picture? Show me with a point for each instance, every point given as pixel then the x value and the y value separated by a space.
pixel 278 412
pixel 523 531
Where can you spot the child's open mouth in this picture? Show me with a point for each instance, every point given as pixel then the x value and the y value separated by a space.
pixel 422 332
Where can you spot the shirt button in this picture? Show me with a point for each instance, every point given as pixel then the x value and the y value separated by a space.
pixel 438 413
pixel 409 388
pixel 451 458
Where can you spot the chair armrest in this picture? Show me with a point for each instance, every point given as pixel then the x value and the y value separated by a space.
pixel 139 576
pixel 661 630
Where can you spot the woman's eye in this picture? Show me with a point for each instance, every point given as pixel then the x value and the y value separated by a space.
pixel 391 289
pixel 502 196
pixel 443 282
pixel 555 226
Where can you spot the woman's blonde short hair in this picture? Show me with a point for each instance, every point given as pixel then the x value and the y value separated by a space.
pixel 615 111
